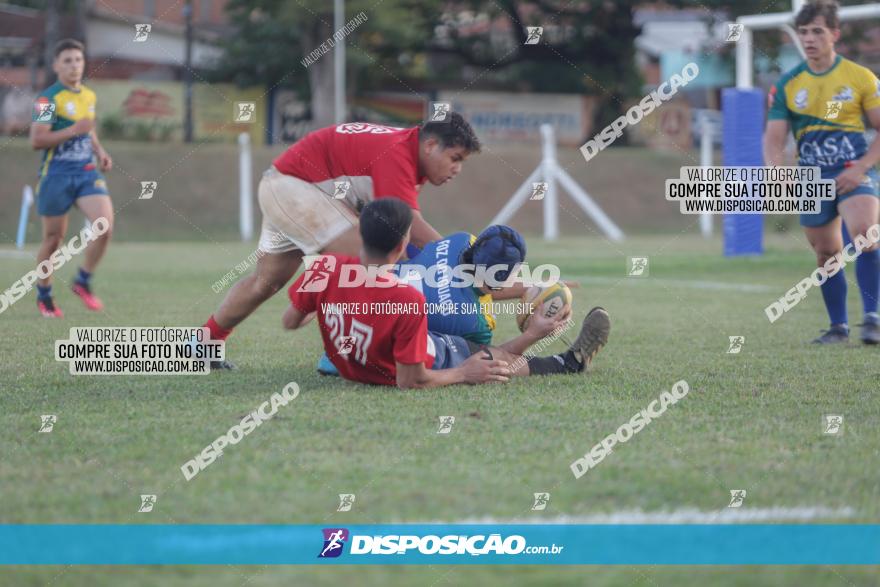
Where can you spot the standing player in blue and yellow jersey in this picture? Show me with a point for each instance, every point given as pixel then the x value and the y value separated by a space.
pixel 70 173
pixel 823 101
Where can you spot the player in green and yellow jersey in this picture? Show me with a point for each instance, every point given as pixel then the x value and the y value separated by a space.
pixel 70 172
pixel 823 101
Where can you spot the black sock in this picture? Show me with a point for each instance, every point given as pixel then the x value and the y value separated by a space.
pixel 564 363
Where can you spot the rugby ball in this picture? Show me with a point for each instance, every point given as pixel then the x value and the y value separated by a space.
pixel 556 298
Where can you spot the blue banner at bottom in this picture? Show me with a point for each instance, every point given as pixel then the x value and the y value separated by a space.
pixel 761 544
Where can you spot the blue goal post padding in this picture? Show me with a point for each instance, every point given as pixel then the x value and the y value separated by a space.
pixel 743 127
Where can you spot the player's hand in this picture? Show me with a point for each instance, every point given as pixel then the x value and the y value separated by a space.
pixel 105 163
pixel 479 370
pixel 850 179
pixel 83 126
pixel 309 317
pixel 541 326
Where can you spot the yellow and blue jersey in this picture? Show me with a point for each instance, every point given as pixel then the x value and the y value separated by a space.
pixel 74 155
pixel 826 111
pixel 471 317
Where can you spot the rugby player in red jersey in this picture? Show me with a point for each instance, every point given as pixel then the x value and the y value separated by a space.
pixel 313 193
pixel 378 332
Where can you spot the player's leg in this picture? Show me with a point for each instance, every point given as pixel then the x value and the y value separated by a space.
pixel 55 196
pixel 451 351
pixel 273 272
pixel 860 212
pixel 93 206
pixel 578 358
pixel 54 229
pixel 826 241
pixel 298 219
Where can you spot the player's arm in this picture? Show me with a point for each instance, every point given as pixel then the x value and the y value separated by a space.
pixel 854 174
pixel 421 232
pixel 778 126
pixel 302 305
pixel 775 137
pixel 104 160
pixel 475 370
pixel 540 326
pixel 294 319
pixel 872 156
pixel 43 137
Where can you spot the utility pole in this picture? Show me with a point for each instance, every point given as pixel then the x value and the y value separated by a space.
pixel 187 75
pixel 50 38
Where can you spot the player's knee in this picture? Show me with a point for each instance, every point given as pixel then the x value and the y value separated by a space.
pixel 107 233
pixel 823 255
pixel 824 251
pixel 265 286
pixel 52 240
pixel 862 236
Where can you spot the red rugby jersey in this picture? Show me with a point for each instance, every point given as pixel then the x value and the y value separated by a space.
pixel 365 329
pixel 379 161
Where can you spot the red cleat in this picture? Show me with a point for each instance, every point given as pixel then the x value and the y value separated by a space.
pixel 48 308
pixel 90 300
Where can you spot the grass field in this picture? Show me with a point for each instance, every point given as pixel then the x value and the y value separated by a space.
pixel 751 420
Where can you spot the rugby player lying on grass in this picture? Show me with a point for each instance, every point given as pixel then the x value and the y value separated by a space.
pixel 395 347
pixel 499 248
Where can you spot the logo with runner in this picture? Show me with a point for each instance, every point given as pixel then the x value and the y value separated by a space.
pixel 44 110
pixel 346 345
pixel 439 111
pixel 147 503
pixel 318 273
pixel 833 424
pixel 638 266
pixel 737 496
pixel 346 500
pixel 148 188
pixel 833 109
pixel 142 32
pixel 446 423
pixel 47 422
pixel 539 189
pixel 734 32
pixel 334 541
pixel 736 344
pixel 541 501
pixel 340 189
pixel 245 111
pixel 533 35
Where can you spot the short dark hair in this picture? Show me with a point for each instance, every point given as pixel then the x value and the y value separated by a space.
pixel 65 44
pixel 454 132
pixel 811 10
pixel 383 224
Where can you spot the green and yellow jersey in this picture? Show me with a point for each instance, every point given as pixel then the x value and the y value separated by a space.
pixel 826 111
pixel 73 155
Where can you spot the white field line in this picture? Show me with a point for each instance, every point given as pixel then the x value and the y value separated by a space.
pixel 16 254
pixel 742 514
pixel 685 283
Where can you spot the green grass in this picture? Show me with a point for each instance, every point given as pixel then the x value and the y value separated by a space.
pixel 751 421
